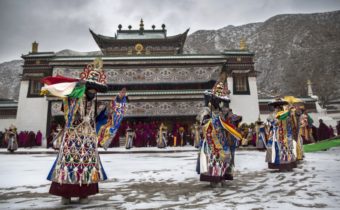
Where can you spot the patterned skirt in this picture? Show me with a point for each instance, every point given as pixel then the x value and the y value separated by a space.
pixel 73 190
pixel 77 169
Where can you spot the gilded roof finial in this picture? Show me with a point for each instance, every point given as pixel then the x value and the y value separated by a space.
pixel 243 45
pixel 98 64
pixel 141 25
pixel 34 47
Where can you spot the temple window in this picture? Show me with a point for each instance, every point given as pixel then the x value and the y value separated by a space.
pixel 241 84
pixel 34 88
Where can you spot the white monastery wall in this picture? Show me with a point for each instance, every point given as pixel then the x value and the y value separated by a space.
pixel 245 105
pixel 5 123
pixel 32 112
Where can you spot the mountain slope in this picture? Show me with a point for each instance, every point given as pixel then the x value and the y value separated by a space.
pixel 289 50
pixel 10 80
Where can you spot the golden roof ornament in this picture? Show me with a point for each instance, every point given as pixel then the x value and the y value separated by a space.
pixel 35 47
pixel 243 45
pixel 98 64
pixel 139 48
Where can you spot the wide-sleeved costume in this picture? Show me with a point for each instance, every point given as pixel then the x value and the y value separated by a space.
pixel 11 138
pixel 220 138
pixel 77 169
pixel 218 149
pixel 281 146
pixel 162 134
pixel 115 114
pixel 261 139
pixel 130 135
pixel 301 125
pixel 196 134
pixel 305 131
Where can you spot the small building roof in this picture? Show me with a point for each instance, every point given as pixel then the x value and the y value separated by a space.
pixel 156 92
pixel 304 99
pixel 39 55
pixel 238 52
pixel 8 103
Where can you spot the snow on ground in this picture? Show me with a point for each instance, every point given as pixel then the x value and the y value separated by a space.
pixel 169 181
pixel 36 150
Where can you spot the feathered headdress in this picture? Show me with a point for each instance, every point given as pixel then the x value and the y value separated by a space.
pixel 219 92
pixel 94 76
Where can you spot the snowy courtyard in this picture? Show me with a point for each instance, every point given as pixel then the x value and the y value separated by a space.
pixel 169 181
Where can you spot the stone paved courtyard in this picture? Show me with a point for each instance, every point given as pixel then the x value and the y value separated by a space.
pixel 169 181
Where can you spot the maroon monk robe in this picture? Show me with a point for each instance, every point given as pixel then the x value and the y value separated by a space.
pixel 38 138
pixel 139 138
pixel 31 139
pixel 323 131
pixel 26 139
pixel 21 139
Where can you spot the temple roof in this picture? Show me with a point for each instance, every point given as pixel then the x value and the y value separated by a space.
pixel 135 34
pixel 128 58
pixel 238 52
pixel 39 55
pixel 140 42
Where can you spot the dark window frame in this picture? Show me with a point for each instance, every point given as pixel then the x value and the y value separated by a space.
pixel 31 94
pixel 237 92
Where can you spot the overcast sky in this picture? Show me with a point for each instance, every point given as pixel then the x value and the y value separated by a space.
pixel 64 24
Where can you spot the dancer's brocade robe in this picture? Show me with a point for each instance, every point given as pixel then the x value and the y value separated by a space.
pixel 260 137
pixel 130 135
pixel 11 139
pixel 302 132
pixel 218 150
pixel 78 161
pixel 109 129
pixel 280 146
pixel 305 131
pixel 197 137
pixel 162 135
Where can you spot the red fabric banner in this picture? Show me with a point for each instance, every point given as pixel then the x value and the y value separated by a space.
pixel 57 79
